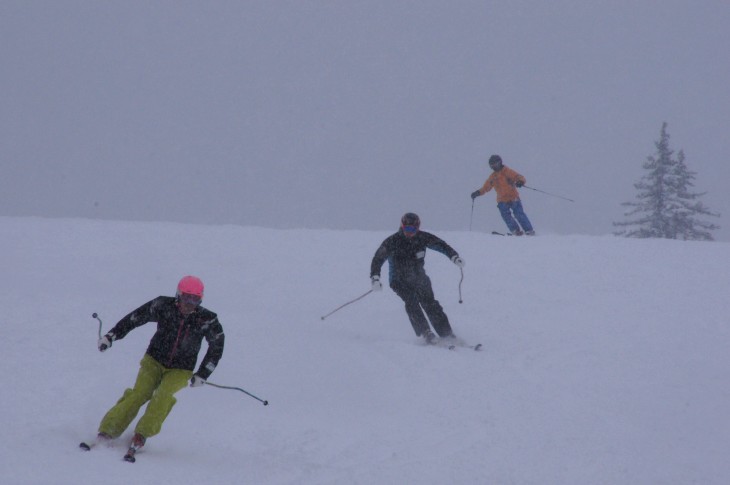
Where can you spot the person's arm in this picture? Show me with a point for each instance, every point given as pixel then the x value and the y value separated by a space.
pixel 379 258
pixel 216 341
pixel 515 178
pixel 377 263
pixel 140 316
pixel 437 244
pixel 488 185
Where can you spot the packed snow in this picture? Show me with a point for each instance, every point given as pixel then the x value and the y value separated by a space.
pixel 605 359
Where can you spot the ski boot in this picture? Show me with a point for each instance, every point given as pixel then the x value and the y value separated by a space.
pixel 137 442
pixel 101 438
pixel 429 337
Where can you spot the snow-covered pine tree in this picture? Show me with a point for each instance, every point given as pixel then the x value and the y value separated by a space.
pixel 665 206
pixel 687 223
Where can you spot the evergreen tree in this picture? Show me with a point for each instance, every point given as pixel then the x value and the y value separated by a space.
pixel 665 206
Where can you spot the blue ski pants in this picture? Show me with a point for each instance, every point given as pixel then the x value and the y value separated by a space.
pixel 512 213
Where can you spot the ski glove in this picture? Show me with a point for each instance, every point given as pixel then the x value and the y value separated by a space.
pixel 377 285
pixel 519 184
pixel 105 342
pixel 457 261
pixel 475 194
pixel 196 381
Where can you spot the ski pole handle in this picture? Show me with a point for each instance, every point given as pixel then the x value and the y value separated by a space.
pixel 94 315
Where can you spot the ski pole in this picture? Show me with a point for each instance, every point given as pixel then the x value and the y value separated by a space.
pixel 266 403
pixel 548 193
pixel 94 315
pixel 462 279
pixel 471 218
pixel 349 302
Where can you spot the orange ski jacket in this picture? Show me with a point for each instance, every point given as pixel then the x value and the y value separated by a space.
pixel 503 182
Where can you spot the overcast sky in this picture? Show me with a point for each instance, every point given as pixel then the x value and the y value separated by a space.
pixel 346 114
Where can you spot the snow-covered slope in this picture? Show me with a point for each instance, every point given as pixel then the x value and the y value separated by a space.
pixel 605 360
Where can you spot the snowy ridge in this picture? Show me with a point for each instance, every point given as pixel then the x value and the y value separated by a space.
pixel 605 359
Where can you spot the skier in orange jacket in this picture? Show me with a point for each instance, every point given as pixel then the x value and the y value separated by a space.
pixel 505 182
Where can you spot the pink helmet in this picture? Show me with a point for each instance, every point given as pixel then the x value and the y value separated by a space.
pixel 190 285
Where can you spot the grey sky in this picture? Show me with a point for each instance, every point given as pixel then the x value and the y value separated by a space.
pixel 346 114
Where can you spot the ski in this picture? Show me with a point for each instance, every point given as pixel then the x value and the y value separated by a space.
pixel 510 234
pixel 476 347
pixel 452 345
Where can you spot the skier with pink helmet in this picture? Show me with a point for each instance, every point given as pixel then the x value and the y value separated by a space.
pixel 168 363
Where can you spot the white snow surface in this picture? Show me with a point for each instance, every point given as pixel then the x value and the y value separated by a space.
pixel 605 360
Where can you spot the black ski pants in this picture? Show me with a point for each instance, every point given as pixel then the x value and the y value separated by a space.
pixel 418 297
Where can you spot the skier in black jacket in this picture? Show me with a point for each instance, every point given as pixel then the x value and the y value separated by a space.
pixel 169 361
pixel 405 251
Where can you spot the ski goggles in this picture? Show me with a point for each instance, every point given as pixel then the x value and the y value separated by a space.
pixel 410 229
pixel 189 299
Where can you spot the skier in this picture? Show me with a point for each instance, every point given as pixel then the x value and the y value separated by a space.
pixel 505 182
pixel 168 362
pixel 405 251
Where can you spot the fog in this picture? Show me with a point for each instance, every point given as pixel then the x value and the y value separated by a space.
pixel 344 115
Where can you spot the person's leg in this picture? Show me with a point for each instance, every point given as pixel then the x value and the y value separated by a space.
pixel 506 213
pixel 413 309
pixel 521 216
pixel 433 309
pixel 162 401
pixel 124 411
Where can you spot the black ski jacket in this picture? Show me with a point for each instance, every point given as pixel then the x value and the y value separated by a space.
pixel 406 256
pixel 178 339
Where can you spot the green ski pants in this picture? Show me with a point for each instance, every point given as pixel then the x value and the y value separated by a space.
pixel 156 384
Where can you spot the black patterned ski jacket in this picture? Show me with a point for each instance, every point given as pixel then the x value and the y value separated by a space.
pixel 178 339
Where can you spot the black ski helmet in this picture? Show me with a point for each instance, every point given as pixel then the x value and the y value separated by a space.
pixel 411 220
pixel 495 162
